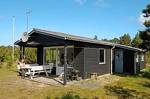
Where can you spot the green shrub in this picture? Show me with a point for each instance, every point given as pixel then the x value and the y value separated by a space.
pixel 148 58
pixel 70 95
pixel 146 73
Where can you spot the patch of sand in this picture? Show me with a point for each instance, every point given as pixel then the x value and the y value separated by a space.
pixel 93 84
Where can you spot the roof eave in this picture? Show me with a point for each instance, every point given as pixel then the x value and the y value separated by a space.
pixel 78 38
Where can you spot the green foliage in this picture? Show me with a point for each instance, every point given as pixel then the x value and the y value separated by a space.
pixel 5 53
pixel 147 9
pixel 125 40
pixel 146 13
pixel 145 35
pixel 147 23
pixel 148 58
pixel 70 95
pixel 115 40
pixel 50 55
pixel 130 87
pixel 31 55
pixel 105 40
pixel 136 42
pixel 146 73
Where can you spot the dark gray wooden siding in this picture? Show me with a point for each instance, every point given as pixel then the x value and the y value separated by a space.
pixel 128 61
pixel 91 61
pixel 40 55
pixel 79 60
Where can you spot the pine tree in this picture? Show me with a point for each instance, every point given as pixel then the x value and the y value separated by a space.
pixel 125 40
pixel 136 42
pixel 115 40
pixel 145 35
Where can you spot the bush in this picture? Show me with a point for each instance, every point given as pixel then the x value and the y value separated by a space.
pixel 146 73
pixel 148 58
pixel 70 95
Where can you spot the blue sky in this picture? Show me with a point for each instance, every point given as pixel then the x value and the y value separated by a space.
pixel 104 18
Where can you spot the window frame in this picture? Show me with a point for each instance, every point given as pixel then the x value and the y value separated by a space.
pixel 104 56
pixel 137 58
pixel 142 57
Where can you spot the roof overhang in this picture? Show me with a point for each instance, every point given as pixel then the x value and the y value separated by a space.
pixel 59 38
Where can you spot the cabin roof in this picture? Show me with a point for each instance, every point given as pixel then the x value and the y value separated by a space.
pixel 66 36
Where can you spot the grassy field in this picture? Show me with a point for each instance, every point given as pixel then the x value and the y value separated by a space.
pixel 130 87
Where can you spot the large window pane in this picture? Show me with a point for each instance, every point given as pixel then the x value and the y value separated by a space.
pixel 102 56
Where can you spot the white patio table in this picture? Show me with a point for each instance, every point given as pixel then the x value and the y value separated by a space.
pixel 33 69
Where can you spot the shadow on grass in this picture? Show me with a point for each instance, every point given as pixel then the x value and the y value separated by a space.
pixel 125 93
pixel 145 74
pixel 121 92
pixel 70 95
pixel 146 84
pixel 125 75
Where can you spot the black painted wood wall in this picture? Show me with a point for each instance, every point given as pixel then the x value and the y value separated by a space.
pixel 86 60
pixel 79 60
pixel 91 61
pixel 41 55
pixel 128 61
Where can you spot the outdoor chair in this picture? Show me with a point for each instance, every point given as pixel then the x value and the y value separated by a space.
pixel 75 75
pixel 68 76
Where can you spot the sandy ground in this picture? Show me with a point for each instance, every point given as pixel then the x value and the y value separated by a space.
pixel 41 82
pixel 17 81
pixel 93 84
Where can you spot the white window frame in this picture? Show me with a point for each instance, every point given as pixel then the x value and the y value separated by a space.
pixel 104 56
pixel 137 58
pixel 142 57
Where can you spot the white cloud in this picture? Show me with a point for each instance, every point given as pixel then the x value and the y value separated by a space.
pixel 142 19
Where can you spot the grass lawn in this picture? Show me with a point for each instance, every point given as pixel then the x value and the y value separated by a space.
pixel 13 87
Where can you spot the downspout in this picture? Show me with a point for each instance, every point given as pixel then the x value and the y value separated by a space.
pixel 111 66
pixel 135 54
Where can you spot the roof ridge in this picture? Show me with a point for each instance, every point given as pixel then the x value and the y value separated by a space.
pixel 83 39
pixel 67 35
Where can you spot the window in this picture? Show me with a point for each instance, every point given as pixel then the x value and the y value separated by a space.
pixel 142 57
pixel 137 58
pixel 102 56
